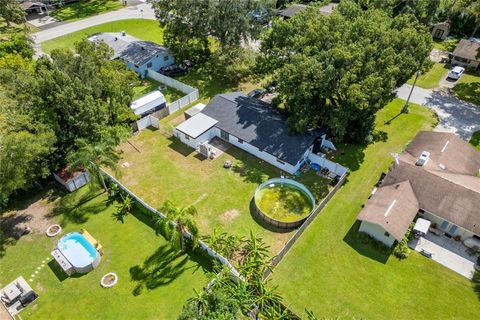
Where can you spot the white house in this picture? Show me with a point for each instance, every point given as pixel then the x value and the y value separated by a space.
pixel 443 189
pixel 149 103
pixel 251 125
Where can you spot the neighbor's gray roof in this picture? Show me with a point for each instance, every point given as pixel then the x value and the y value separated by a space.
pixel 129 48
pixel 196 125
pixel 393 207
pixel 467 49
pixel 258 124
pixel 292 10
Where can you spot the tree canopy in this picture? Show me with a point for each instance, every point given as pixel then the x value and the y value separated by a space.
pixel 58 108
pixel 11 11
pixel 338 71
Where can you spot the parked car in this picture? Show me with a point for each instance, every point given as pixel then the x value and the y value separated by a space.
pixel 174 70
pixel 257 93
pixel 456 73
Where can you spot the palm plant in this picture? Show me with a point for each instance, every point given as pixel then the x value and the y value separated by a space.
pixel 124 209
pixel 256 258
pixel 93 156
pixel 179 221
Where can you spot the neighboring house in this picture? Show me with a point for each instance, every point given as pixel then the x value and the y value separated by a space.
pixel 251 125
pixel 149 103
pixel 72 180
pixel 292 10
pixel 34 7
pixel 466 53
pixel 138 55
pixel 436 178
pixel 441 31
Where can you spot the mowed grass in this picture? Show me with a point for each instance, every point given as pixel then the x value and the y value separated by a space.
pixel 432 77
pixel 333 274
pixel 148 30
pixel 83 9
pixel 154 282
pixel 468 88
pixel 144 86
pixel 161 168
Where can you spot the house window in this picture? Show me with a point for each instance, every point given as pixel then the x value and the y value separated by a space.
pixel 165 58
pixel 240 141
pixel 224 135
pixel 444 225
pixel 386 234
pixel 280 161
pixel 187 137
pixel 149 65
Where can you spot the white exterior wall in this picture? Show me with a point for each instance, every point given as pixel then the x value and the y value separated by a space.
pixel 463 233
pixel 261 154
pixel 194 143
pixel 377 232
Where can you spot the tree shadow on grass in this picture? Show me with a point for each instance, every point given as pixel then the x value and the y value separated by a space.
pixel 349 155
pixel 469 92
pixel 476 283
pixel 364 248
pixel 78 210
pixel 11 229
pixel 160 269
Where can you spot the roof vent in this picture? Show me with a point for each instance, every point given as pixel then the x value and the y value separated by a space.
pixel 116 38
pixel 424 157
pixel 390 208
pixel 123 33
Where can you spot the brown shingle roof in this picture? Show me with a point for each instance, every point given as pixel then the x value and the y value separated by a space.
pixel 467 49
pixel 392 207
pixel 447 186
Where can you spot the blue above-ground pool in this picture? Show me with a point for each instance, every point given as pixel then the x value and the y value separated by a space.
pixel 315 166
pixel 81 254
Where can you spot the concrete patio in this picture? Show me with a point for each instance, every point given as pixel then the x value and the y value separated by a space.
pixel 446 251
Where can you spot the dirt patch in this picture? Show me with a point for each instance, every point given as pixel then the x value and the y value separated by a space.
pixel 229 215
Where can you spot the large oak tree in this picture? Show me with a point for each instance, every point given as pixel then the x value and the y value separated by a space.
pixel 338 71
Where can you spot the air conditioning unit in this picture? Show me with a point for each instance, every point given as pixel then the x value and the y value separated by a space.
pixel 424 157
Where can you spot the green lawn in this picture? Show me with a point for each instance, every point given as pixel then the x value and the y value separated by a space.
pixel 475 140
pixel 162 168
pixel 153 282
pixel 83 9
pixel 468 88
pixel 144 29
pixel 432 77
pixel 446 45
pixel 145 86
pixel 330 272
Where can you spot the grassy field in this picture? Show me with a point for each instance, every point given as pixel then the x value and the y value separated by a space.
pixel 148 30
pixel 162 168
pixel 432 77
pixel 83 9
pixel 145 86
pixel 153 281
pixel 330 272
pixel 468 88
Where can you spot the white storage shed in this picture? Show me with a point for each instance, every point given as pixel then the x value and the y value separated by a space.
pixel 149 103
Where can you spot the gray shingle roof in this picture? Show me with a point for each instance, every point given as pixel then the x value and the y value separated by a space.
pixel 258 124
pixel 140 52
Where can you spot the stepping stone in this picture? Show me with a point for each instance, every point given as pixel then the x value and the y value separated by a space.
pixel 43 261
pixel 36 272
pixel 31 280
pixel 32 276
pixel 38 268
pixel 43 265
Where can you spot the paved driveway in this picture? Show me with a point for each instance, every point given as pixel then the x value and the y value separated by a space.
pixel 455 115
pixel 140 11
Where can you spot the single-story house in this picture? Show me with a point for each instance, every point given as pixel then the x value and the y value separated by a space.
pixel 72 180
pixel 466 53
pixel 441 30
pixel 138 55
pixel 251 125
pixel 435 178
pixel 149 103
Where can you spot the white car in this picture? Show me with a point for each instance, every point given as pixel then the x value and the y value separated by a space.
pixel 456 73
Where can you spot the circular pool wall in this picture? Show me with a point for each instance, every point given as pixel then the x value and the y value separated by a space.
pixel 283 203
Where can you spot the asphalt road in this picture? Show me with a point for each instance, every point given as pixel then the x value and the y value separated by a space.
pixel 455 115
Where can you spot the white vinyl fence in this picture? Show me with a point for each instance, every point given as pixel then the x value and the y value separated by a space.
pixel 212 253
pixel 192 95
pixel 148 121
pixel 330 165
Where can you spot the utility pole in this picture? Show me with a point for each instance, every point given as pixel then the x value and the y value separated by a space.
pixel 405 107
